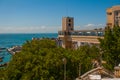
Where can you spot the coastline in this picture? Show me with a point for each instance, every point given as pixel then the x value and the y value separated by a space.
pixel 9 40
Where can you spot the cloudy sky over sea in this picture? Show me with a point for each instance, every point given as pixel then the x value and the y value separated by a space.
pixel 44 16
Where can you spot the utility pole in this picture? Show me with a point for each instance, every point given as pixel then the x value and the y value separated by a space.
pixel 101 57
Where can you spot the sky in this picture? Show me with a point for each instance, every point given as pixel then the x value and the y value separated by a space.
pixel 44 16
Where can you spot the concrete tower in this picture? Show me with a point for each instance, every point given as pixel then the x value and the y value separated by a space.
pixel 67 27
pixel 67 24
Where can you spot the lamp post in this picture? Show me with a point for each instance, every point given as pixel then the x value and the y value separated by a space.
pixel 79 69
pixel 64 62
pixel 100 63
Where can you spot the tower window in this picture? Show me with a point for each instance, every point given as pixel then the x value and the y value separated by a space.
pixel 69 20
pixel 69 24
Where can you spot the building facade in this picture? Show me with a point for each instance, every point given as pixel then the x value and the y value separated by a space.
pixel 113 16
pixel 71 38
pixel 99 73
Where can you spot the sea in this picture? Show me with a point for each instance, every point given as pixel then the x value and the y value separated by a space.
pixel 10 40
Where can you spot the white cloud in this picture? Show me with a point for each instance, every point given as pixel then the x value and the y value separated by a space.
pixel 45 29
pixel 30 29
pixel 89 26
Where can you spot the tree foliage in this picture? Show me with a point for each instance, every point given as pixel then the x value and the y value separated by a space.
pixel 42 60
pixel 110 46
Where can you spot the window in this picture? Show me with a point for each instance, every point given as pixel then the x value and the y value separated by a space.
pixel 69 20
pixel 109 13
pixel 69 24
pixel 82 43
pixel 116 22
pixel 71 28
pixel 116 13
pixel 117 18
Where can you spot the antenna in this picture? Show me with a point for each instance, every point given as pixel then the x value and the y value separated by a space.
pixel 66 3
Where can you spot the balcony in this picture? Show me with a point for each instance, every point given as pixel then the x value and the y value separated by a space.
pixel 83 33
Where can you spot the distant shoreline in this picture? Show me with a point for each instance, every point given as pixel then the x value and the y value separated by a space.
pixel 28 33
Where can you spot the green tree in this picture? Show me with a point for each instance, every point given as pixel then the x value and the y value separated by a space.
pixel 2 74
pixel 39 59
pixel 110 46
pixel 42 60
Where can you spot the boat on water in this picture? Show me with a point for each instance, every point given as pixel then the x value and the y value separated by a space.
pixel 14 49
pixel 1 58
pixel 2 48
pixel 3 65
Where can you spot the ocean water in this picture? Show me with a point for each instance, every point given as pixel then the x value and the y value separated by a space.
pixel 9 40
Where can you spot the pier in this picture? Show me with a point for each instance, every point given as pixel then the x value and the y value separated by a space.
pixel 14 49
pixel 3 65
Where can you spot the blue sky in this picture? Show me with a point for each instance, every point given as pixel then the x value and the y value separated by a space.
pixel 44 16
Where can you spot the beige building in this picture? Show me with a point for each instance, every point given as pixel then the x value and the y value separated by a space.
pixel 71 38
pixel 117 71
pixel 99 73
pixel 113 16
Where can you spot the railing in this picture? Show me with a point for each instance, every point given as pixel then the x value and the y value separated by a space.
pixel 82 33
